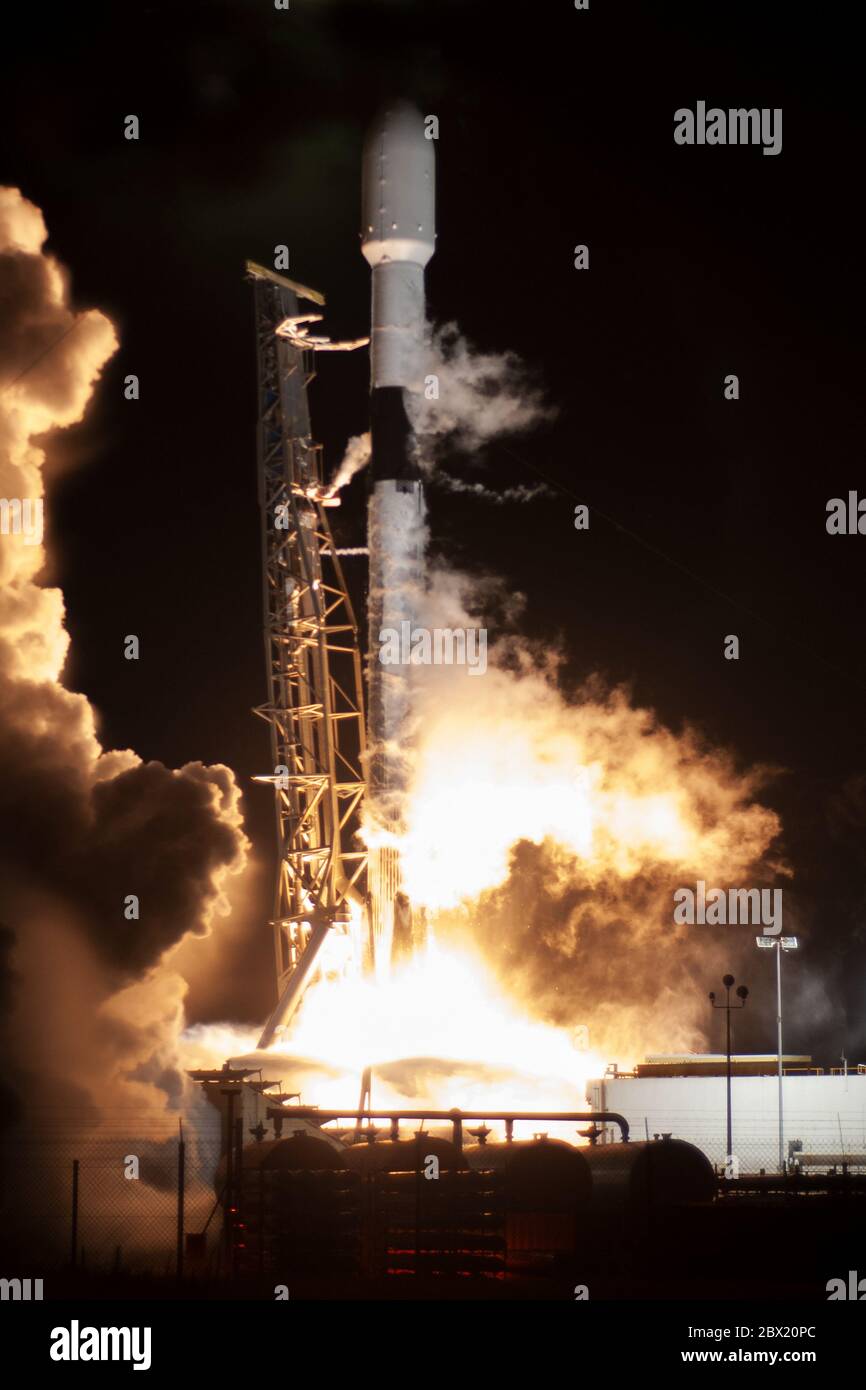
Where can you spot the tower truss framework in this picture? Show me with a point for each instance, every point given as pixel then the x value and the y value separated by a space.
pixel 315 705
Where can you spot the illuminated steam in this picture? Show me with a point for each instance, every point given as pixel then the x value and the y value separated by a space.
pixel 473 397
pixel 469 398
pixel 523 492
pixel 543 830
pixel 92 1011
pixel 548 830
pixel 356 457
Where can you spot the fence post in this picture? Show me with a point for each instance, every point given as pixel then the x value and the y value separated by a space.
pixel 238 1197
pixel 230 1180
pixel 74 1234
pixel 181 1165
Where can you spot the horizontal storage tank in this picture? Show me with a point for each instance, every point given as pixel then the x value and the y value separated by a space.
pixel 423 1217
pixel 648 1175
pixel 546 1189
pixel 298 1152
pixel 295 1207
pixel 538 1172
pixel 403 1155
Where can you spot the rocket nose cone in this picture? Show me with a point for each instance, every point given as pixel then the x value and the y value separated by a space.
pixel 398 127
pixel 398 187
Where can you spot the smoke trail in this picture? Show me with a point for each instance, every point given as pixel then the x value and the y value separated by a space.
pixel 470 397
pixel 521 493
pixel 356 457
pixel 93 1011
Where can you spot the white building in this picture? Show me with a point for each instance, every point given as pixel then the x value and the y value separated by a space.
pixel 825 1115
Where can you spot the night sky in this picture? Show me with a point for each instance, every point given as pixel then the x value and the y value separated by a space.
pixel 556 128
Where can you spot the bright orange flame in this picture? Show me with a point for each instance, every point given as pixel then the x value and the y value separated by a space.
pixel 437 1034
pixel 616 800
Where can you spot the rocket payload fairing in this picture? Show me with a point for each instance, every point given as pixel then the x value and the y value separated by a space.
pixel 397 239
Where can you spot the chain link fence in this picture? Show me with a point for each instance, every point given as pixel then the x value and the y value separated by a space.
pixel 136 1198
pixel 812 1143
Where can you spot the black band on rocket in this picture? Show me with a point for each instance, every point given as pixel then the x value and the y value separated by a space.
pixel 393 443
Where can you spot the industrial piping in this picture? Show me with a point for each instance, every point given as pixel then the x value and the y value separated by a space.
pixel 454 1117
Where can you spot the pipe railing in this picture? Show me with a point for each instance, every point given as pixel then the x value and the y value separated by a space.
pixel 454 1117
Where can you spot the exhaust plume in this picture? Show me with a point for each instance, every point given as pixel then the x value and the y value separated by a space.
pixel 471 397
pixel 549 830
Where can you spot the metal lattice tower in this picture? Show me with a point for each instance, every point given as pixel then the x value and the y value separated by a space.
pixel 315 706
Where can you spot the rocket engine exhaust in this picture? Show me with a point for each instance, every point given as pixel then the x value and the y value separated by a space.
pixel 397 239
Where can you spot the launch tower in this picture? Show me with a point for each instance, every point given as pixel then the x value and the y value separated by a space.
pixel 315 705
pixel 326 758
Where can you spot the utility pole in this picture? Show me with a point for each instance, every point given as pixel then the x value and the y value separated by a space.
pixel 779 944
pixel 742 995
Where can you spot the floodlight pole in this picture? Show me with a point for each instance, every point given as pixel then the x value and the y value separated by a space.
pixel 742 995
pixel 779 944
pixel 779 1043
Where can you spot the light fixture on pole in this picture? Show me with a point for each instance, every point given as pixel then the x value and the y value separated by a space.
pixel 742 995
pixel 779 944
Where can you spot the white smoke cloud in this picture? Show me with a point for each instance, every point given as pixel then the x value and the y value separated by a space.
pixel 549 830
pixel 356 457
pixel 94 1011
pixel 479 396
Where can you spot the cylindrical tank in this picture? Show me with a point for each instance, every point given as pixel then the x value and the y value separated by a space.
pixel 645 1176
pixel 546 1186
pixel 403 1155
pixel 294 1205
pixel 413 1207
pixel 539 1173
pixel 298 1152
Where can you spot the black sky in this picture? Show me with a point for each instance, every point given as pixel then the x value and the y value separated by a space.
pixel 556 127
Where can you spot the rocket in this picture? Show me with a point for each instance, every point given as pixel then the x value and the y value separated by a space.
pixel 308 702
pixel 397 239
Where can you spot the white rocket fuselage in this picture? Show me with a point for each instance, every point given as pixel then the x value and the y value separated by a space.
pixel 397 239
